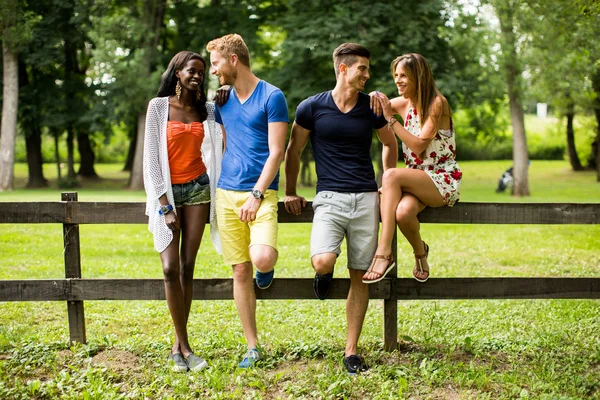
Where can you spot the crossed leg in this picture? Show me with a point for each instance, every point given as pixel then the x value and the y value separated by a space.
pixel 178 269
pixel 416 189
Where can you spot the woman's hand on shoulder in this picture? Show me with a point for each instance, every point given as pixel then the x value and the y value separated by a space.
pixel 381 105
pixel 375 105
pixel 222 95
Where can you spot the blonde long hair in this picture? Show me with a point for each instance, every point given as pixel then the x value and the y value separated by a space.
pixel 418 71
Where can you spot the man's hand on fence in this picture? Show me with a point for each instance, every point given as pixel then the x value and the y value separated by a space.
pixel 294 204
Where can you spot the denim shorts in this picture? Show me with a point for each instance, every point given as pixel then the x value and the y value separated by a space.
pixel 196 191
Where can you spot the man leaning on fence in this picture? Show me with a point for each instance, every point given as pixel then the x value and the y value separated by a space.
pixel 255 121
pixel 340 124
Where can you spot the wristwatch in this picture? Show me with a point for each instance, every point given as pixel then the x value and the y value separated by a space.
pixel 257 194
pixel 163 210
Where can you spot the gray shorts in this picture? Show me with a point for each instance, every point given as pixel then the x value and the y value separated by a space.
pixel 354 215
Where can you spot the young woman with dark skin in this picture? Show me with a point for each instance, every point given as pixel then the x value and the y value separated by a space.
pixel 179 173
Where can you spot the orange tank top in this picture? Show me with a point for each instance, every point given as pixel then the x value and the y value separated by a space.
pixel 185 157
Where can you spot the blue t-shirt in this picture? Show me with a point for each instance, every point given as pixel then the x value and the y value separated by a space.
pixel 341 142
pixel 247 127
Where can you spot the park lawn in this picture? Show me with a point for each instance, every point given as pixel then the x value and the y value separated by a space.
pixel 487 349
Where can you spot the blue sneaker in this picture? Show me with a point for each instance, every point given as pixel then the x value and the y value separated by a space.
pixel 251 357
pixel 264 279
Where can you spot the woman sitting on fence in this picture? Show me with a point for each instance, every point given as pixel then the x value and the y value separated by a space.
pixel 431 177
pixel 182 160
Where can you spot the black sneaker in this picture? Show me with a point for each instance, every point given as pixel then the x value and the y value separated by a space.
pixel 354 364
pixel 322 285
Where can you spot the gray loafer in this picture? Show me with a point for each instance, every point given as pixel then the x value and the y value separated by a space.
pixel 195 363
pixel 177 362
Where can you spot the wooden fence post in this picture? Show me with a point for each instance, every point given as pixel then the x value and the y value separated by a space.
pixel 390 306
pixel 73 271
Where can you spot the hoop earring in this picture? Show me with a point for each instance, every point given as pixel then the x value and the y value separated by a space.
pixel 198 94
pixel 178 89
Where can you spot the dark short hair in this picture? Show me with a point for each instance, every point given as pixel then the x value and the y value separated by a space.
pixel 347 53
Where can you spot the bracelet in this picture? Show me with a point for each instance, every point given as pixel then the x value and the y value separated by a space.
pixel 391 122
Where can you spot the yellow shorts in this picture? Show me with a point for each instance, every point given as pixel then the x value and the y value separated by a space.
pixel 238 236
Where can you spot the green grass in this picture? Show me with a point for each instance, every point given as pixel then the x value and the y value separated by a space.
pixel 549 181
pixel 493 349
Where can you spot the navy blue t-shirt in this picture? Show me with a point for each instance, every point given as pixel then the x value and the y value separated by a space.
pixel 341 142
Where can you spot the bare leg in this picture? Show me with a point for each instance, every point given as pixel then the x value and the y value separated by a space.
pixel 193 222
pixel 174 294
pixel 356 308
pixel 397 182
pixel 323 263
pixel 406 217
pixel 263 257
pixel 245 300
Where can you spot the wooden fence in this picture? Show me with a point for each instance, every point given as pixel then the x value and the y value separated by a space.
pixel 75 290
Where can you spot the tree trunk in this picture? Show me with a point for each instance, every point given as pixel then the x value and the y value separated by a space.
pixel 57 155
pixel 513 73
pixel 136 181
pixel 155 22
pixel 305 175
pixel 594 160
pixel 131 151
pixel 87 157
pixel 30 124
pixel 596 150
pixel 70 153
pixel 33 142
pixel 573 157
pixel 8 130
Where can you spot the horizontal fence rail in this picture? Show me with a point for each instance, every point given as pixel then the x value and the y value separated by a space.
pixel 74 290
pixel 70 212
pixel 301 289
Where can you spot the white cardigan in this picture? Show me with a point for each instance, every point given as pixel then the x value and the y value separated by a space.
pixel 157 175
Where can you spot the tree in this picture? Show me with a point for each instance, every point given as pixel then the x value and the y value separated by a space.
pixel 511 64
pixel 475 85
pixel 15 24
pixel 305 67
pixel 562 49
pixel 127 36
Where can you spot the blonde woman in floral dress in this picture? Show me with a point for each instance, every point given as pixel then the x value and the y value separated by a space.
pixel 431 177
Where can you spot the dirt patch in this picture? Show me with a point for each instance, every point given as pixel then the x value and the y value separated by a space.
pixel 451 393
pixel 447 393
pixel 290 367
pixel 4 356
pixel 63 355
pixel 117 360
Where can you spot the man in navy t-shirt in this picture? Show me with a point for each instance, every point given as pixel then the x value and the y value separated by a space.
pixel 340 125
pixel 254 122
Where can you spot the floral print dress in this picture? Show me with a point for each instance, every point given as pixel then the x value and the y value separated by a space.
pixel 438 160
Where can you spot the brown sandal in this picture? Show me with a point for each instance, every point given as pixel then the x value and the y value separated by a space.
pixel 419 257
pixel 390 266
